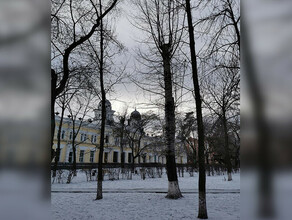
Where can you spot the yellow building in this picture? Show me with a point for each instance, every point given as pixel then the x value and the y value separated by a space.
pixel 88 136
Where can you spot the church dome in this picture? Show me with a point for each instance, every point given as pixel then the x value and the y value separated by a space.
pixel 136 115
pixel 108 105
pixel 108 110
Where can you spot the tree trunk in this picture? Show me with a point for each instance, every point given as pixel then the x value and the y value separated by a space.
pixel 207 163
pixel 103 114
pixel 226 146
pixel 133 157
pixel 53 99
pixel 194 159
pixel 173 187
pixel 202 174
pixel 74 158
pixel 73 146
pixel 122 145
pixel 57 157
pixel 133 162
pixel 234 24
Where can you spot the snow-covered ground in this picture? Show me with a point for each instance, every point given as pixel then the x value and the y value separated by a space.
pixel 145 199
pixel 128 206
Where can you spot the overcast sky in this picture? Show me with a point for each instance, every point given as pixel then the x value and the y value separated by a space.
pixel 130 95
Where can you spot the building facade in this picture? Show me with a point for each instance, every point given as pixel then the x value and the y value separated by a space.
pixel 87 139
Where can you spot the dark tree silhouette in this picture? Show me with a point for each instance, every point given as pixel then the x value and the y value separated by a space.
pixel 202 174
pixel 68 48
pixel 161 21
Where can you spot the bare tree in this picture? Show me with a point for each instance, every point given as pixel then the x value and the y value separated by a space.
pixel 103 111
pixel 63 102
pixel 74 86
pixel 78 108
pixel 202 175
pixel 187 128
pixel 234 127
pixel 58 148
pixel 161 20
pixel 68 19
pixel 220 23
pixel 101 54
pixel 135 132
pixel 119 132
pixel 222 98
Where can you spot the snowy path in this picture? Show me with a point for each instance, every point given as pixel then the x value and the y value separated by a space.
pixel 82 190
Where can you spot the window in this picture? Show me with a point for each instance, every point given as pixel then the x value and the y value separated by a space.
pixel 105 157
pixel 144 158
pixel 93 138
pixel 155 158
pixel 81 155
pixel 91 156
pixel 115 159
pixel 70 135
pixel 63 134
pixel 117 141
pixel 70 157
pixel 150 159
pixel 129 157
pixel 106 139
pixel 123 158
pixel 83 137
pixel 162 160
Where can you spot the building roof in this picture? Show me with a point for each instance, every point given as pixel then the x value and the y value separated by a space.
pixel 135 115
